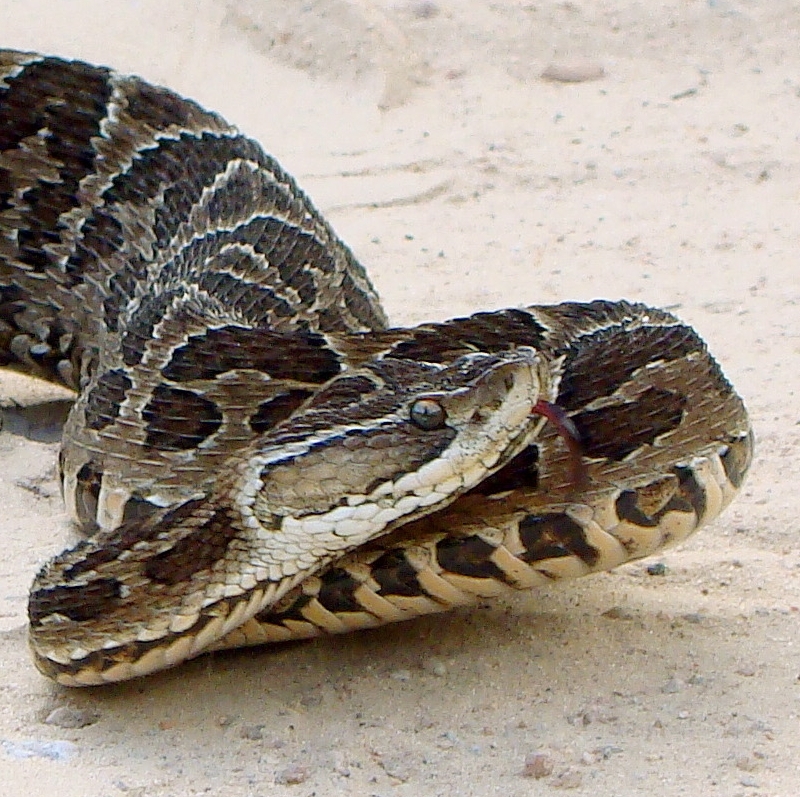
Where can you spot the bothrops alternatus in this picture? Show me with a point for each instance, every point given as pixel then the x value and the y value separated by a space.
pixel 253 454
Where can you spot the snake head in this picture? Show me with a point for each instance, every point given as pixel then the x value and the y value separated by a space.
pixel 387 443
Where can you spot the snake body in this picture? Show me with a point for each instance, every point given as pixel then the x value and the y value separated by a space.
pixel 253 454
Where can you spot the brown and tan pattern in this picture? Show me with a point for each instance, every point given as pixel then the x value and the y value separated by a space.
pixel 253 455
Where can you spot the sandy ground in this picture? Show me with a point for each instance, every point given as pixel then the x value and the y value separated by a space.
pixel 425 131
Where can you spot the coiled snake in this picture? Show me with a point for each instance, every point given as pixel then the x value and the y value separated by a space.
pixel 253 455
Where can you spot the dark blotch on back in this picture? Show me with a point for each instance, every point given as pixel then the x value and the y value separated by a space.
pixel 301 356
pixel 180 167
pixel 271 413
pixel 606 359
pixel 468 556
pixel 553 535
pixel 178 420
pixel 79 602
pixel 343 392
pixel 336 592
pixel 140 328
pixel 485 332
pixel 68 101
pixel 103 403
pixel 617 430
pixel 198 550
pixel 251 300
pixel 158 107
pixel 107 546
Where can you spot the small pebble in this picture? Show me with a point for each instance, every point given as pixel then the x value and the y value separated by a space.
pixel 33 748
pixel 577 71
pixel 68 717
pixel 607 750
pixel 291 776
pixel 538 765
pixel 657 569
pixel 683 94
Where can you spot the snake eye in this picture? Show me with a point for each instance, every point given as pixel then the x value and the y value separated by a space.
pixel 428 414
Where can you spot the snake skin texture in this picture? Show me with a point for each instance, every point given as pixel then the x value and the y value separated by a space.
pixel 254 455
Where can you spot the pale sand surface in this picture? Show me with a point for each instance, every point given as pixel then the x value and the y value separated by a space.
pixel 466 182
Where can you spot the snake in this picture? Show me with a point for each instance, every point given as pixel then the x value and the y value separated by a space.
pixel 254 454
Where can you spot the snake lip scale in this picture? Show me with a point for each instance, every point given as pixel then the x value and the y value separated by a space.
pixel 254 455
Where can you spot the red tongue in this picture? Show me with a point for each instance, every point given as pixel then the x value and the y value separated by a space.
pixel 569 434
